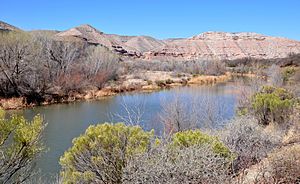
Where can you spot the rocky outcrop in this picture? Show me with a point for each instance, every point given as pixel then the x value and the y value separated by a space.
pixel 7 27
pixel 93 36
pixel 225 46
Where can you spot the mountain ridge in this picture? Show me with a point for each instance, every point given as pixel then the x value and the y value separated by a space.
pixel 211 45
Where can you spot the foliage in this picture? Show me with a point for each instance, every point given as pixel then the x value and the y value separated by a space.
pixel 288 73
pixel 191 138
pixel 100 155
pixel 273 105
pixel 20 144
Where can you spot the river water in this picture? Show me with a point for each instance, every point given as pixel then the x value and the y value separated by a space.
pixel 67 121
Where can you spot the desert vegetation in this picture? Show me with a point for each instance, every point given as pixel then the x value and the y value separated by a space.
pixel 20 145
pixel 41 68
pixel 259 145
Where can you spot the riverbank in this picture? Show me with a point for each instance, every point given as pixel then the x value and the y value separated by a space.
pixel 147 81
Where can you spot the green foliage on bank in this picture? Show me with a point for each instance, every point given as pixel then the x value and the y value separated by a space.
pixel 103 151
pixel 273 105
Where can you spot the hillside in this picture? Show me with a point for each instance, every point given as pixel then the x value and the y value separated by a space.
pixel 205 46
pixel 208 45
pixel 226 46
pixel 7 27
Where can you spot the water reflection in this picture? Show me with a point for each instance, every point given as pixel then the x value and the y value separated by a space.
pixel 66 121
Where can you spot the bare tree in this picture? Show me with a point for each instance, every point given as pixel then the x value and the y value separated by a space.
pixel 179 113
pixel 15 58
pixel 174 166
pixel 176 115
pixel 275 76
pixel 209 111
pixel 64 54
pixel 246 89
pixel 100 65
pixel 131 114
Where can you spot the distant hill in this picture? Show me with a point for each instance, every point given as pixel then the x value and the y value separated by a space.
pixel 205 46
pixel 226 46
pixel 7 27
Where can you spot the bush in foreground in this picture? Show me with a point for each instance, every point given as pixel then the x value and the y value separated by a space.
pixel 284 165
pixel 190 157
pixel 20 145
pixel 196 164
pixel 281 166
pixel 249 141
pixel 99 155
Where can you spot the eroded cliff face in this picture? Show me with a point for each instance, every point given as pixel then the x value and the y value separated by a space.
pixel 132 46
pixel 225 46
pixel 205 46
pixel 93 36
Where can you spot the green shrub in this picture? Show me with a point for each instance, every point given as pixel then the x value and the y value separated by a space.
pixel 288 73
pixel 191 138
pixel 20 145
pixel 188 157
pixel 99 155
pixel 273 105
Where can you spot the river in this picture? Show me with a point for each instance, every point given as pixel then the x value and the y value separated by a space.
pixel 67 121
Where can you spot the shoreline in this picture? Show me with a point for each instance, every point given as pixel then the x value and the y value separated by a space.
pixel 18 103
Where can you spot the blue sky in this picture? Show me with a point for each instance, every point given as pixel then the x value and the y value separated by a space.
pixel 158 18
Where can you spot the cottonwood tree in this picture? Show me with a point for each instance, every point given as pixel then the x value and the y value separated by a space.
pixel 101 65
pixel 20 145
pixel 21 66
pixel 15 60
pixel 63 54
